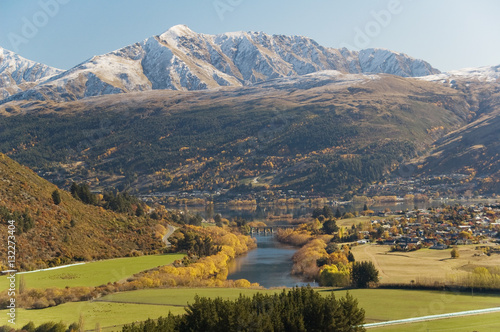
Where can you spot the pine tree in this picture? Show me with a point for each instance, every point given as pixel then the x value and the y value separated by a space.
pixel 363 273
pixel 56 197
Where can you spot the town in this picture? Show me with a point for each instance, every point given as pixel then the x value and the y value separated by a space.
pixel 435 228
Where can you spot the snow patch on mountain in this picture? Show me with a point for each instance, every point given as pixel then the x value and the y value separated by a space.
pixel 481 74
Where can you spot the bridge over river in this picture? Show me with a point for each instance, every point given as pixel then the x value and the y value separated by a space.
pixel 269 229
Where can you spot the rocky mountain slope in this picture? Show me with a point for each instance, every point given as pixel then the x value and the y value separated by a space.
pixel 18 74
pixel 181 59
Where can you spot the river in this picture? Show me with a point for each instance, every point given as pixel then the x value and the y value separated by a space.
pixel 269 265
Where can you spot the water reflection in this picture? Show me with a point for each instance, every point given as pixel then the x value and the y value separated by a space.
pixel 262 213
pixel 269 265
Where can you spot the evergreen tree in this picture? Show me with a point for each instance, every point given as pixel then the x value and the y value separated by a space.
pixel 330 226
pixel 363 273
pixel 317 212
pixel 218 220
pixel 30 327
pixel 327 212
pixel 299 309
pixel 56 197
pixel 139 211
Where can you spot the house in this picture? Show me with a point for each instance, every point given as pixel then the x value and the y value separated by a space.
pixel 439 246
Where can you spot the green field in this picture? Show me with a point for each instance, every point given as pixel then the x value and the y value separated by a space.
pixel 379 304
pixel 482 323
pixel 180 296
pixel 391 304
pixel 93 273
pixel 104 313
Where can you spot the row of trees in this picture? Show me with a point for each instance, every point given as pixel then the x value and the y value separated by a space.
pixel 299 309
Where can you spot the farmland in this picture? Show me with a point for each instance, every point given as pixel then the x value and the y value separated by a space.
pixel 424 265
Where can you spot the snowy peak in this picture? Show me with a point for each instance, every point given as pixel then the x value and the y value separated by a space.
pixel 181 59
pixel 18 73
pixel 179 30
pixel 385 61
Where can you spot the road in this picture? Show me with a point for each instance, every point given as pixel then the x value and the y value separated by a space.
pixel 170 231
pixel 51 268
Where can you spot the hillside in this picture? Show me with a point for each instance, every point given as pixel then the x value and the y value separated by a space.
pixel 475 148
pixel 71 231
pixel 181 59
pixel 328 132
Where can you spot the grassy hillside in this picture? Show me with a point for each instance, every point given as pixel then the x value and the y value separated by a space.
pixel 330 137
pixel 93 274
pixel 48 234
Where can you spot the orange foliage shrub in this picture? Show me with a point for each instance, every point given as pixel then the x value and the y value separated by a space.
pixel 306 257
pixel 294 237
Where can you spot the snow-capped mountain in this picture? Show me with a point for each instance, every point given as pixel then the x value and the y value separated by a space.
pixel 18 74
pixel 181 59
pixel 479 74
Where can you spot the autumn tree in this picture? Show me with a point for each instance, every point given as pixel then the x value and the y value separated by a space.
pixel 455 253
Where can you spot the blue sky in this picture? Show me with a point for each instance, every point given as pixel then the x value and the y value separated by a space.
pixel 450 34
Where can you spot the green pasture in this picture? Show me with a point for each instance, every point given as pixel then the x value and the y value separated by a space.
pixel 93 273
pixel 379 304
pixel 105 313
pixel 180 296
pixel 391 304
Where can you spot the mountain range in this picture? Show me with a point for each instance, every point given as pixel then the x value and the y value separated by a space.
pixel 18 74
pixel 181 59
pixel 185 111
